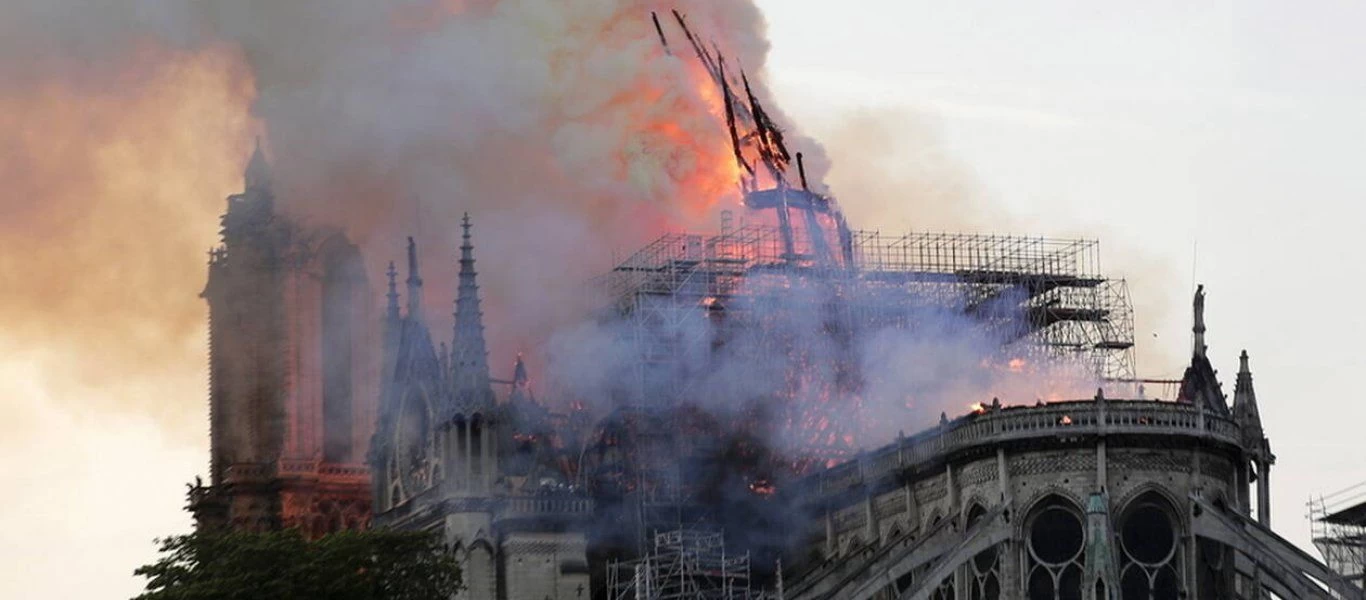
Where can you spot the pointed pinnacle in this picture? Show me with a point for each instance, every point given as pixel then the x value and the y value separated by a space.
pixel 257 174
pixel 413 276
pixel 414 280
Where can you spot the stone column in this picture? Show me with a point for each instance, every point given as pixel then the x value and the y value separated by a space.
pixel 1102 467
pixel 484 463
pixel 467 482
pixel 493 456
pixel 1264 492
pixel 829 534
pixel 951 490
pixel 1002 475
pixel 871 528
pixel 1009 564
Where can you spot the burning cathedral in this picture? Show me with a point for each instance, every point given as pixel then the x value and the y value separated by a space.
pixel 726 460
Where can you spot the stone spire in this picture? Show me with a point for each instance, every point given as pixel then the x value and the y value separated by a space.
pixel 391 312
pixel 414 282
pixel 1199 327
pixel 469 354
pixel 1245 398
pixel 1255 442
pixel 258 171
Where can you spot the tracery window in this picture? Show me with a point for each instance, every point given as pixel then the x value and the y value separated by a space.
pixel 944 591
pixel 1150 550
pixel 984 570
pixel 414 444
pixel 1054 551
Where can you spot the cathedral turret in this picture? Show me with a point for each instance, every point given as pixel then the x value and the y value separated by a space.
pixel 1255 443
pixel 1245 410
pixel 469 354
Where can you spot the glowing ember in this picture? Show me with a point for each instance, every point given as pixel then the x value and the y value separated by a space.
pixel 762 487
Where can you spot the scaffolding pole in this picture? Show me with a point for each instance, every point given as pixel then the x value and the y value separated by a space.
pixel 685 564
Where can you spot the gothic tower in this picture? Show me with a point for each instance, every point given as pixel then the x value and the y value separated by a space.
pixel 292 375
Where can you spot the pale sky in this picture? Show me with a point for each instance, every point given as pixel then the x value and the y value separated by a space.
pixel 1206 141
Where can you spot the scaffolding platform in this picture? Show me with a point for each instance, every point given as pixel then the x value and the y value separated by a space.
pixel 1338 523
pixel 1044 295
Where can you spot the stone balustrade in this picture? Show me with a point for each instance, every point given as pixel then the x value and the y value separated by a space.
pixel 296 468
pixel 245 472
pixel 544 506
pixel 1063 419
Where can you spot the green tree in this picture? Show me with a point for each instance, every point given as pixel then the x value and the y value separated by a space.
pixel 350 565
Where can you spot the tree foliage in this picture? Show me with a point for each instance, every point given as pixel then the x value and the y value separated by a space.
pixel 350 565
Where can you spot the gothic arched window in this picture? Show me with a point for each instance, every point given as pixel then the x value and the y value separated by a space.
pixel 1055 544
pixel 476 447
pixel 1150 550
pixel 413 443
pixel 984 570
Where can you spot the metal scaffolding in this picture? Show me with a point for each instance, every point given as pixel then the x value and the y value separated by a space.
pixel 1338 522
pixel 1038 296
pixel 685 564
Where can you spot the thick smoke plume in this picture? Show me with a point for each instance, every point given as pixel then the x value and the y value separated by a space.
pixel 565 129
pixel 568 131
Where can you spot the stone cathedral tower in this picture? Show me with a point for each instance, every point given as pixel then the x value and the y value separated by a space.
pixel 293 372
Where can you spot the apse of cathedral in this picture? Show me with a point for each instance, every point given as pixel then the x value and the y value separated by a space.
pixel 332 411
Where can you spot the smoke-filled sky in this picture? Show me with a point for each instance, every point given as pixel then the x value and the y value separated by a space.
pixel 1211 141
